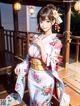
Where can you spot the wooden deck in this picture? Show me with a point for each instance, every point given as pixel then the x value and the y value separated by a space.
pixel 71 78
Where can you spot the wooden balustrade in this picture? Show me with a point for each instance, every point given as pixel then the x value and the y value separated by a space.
pixel 23 40
pixel 76 41
pixel 9 41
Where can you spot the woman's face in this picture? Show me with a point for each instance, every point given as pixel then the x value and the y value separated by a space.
pixel 46 25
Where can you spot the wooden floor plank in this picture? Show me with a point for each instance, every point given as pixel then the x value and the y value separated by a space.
pixel 74 96
pixel 71 77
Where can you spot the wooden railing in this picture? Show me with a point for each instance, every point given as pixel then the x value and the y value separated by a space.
pixel 76 41
pixel 23 39
pixel 21 42
pixel 9 41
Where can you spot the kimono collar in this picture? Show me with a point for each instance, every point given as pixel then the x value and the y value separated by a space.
pixel 52 36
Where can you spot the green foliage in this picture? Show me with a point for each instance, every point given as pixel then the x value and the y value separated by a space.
pixel 75 23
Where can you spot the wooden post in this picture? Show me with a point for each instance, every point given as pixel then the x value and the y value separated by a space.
pixel 77 50
pixel 15 21
pixel 2 40
pixel 28 40
pixel 67 33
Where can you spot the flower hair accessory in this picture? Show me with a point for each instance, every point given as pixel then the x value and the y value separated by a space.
pixel 58 19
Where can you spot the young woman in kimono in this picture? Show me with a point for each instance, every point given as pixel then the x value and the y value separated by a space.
pixel 41 63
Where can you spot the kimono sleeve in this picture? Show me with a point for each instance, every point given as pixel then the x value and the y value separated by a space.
pixel 21 79
pixel 54 57
pixel 22 68
pixel 20 83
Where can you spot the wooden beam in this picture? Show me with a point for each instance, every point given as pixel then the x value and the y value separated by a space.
pixel 67 33
pixel 37 2
pixel 15 21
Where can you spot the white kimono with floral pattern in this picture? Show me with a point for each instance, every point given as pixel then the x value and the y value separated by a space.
pixel 41 83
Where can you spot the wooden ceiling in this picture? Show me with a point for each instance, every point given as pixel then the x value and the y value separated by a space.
pixel 37 2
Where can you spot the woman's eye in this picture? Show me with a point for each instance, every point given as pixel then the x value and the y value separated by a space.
pixel 48 21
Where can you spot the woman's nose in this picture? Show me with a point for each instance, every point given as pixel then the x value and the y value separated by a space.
pixel 44 23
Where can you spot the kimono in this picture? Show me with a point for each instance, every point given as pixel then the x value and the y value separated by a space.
pixel 41 82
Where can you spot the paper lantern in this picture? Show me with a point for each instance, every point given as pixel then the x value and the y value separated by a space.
pixel 77 6
pixel 17 6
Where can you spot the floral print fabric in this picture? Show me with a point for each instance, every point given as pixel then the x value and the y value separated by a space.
pixel 41 83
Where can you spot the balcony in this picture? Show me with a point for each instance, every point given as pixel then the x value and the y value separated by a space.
pixel 70 75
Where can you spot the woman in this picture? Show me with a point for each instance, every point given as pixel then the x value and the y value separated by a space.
pixel 40 64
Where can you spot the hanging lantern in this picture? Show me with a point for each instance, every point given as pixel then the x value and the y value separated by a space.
pixel 31 10
pixel 17 6
pixel 77 6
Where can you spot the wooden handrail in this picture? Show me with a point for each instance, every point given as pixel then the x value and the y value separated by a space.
pixel 21 42
pixel 76 40
pixel 23 39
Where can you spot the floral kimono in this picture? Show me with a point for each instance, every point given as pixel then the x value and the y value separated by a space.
pixel 41 82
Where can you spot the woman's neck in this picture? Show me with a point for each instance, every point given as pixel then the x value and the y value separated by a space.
pixel 48 33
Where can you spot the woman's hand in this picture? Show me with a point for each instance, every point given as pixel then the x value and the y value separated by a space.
pixel 21 69
pixel 17 70
pixel 38 41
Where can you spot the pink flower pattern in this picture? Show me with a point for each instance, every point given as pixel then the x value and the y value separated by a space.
pixel 57 44
pixel 36 77
pixel 46 90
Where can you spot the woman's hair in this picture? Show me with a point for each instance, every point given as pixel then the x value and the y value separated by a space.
pixel 46 11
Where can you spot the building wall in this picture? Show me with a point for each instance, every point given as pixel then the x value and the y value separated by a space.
pixel 26 21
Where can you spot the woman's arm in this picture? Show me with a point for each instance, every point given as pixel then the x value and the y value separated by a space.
pixel 39 42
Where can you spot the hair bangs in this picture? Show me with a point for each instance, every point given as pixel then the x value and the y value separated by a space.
pixel 48 14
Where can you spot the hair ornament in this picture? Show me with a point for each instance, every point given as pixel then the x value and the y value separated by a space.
pixel 58 20
pixel 57 17
pixel 57 27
